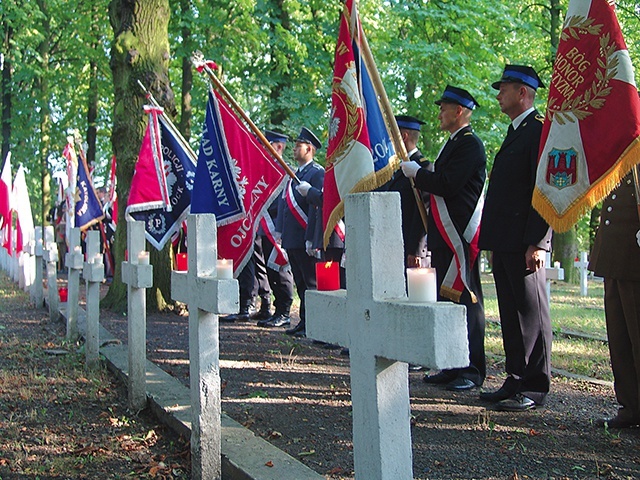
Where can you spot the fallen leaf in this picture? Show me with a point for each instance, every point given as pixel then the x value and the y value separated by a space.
pixel 269 464
pixel 534 433
pixel 335 471
pixel 306 454
pixel 275 434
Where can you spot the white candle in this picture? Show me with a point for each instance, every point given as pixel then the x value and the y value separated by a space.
pixel 556 264
pixel 98 258
pixel 421 284
pixel 77 249
pixel 225 268
pixel 143 258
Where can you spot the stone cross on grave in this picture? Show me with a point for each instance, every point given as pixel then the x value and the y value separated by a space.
pixel 74 261
pixel 582 266
pixel 37 294
pixel 206 296
pixel 384 332
pixel 51 258
pixel 93 273
pixel 553 272
pixel 138 277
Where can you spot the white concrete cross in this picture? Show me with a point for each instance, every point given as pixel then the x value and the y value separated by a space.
pixel 383 332
pixel 93 273
pixel 74 261
pixel 206 296
pixel 37 294
pixel 51 258
pixel 582 265
pixel 555 272
pixel 138 278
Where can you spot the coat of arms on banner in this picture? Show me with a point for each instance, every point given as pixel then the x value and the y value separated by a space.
pixel 562 168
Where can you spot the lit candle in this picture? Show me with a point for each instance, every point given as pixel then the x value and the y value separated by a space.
pixel 421 284
pixel 143 258
pixel 181 262
pixel 556 264
pixel 225 268
pixel 77 249
pixel 328 276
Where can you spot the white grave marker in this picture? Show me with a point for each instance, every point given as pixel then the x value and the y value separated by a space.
pixel 138 278
pixel 206 296
pixel 74 261
pixel 582 265
pixel 555 272
pixel 51 258
pixel 383 332
pixel 37 293
pixel 93 273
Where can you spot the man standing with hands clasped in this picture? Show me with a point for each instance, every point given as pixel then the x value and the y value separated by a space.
pixel 456 186
pixel 519 239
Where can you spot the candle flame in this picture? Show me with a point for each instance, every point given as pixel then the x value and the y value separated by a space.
pixel 328 264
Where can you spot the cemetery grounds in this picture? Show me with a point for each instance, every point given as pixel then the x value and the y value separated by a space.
pixel 59 421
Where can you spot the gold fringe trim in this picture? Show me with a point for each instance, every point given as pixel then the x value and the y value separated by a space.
pixel 366 184
pixel 561 223
pixel 455 295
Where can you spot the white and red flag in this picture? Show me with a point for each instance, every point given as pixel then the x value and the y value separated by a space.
pixel 360 153
pixel 591 134
pixel 22 206
pixel 5 192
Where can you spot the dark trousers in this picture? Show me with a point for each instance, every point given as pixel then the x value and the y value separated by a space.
pixel 280 282
pixel 246 279
pixel 525 323
pixel 261 284
pixel 303 268
pixel 622 310
pixel 477 369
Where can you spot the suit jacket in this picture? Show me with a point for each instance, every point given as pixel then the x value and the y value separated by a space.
pixel 509 222
pixel 293 235
pixel 459 175
pixel 615 252
pixel 413 232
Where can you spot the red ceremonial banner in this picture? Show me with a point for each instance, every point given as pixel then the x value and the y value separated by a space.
pixel 591 134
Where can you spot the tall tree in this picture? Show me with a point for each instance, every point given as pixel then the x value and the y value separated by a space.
pixel 5 89
pixel 139 52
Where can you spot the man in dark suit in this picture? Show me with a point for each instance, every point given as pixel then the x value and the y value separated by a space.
pixel 456 185
pixel 413 231
pixel 293 220
pixel 616 257
pixel 519 239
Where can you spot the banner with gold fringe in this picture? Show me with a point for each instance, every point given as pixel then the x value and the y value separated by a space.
pixel 591 133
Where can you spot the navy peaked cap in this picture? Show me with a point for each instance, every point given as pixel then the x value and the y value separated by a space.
pixel 458 96
pixel 408 122
pixel 272 136
pixel 519 74
pixel 307 136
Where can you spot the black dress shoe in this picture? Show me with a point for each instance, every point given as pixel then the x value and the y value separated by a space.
pixel 279 321
pixel 438 379
pixel 236 317
pixel 517 403
pixel 619 421
pixel 264 322
pixel 460 383
pixel 501 394
pixel 261 315
pixel 299 328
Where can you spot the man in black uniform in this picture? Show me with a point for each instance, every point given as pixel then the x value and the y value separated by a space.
pixel 519 239
pixel 456 185
pixel 616 257
pixel 413 232
pixel 293 220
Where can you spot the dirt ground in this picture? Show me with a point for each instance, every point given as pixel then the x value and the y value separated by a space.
pixel 295 394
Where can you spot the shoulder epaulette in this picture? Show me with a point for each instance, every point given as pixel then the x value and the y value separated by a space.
pixel 540 118
pixel 468 133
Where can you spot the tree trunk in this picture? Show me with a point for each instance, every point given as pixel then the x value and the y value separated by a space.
pixel 187 72
pixel 565 251
pixel 42 85
pixel 92 111
pixel 140 51
pixel 279 113
pixel 6 92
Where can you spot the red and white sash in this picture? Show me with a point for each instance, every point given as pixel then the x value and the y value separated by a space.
pixel 297 211
pixel 278 259
pixel 465 248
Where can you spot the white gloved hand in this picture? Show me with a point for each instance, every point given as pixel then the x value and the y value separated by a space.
pixel 303 188
pixel 638 237
pixel 410 169
pixel 277 236
pixel 309 248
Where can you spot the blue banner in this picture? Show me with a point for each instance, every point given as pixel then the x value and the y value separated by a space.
pixel 215 189
pixel 88 208
pixel 180 170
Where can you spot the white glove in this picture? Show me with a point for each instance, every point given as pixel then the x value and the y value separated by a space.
pixel 309 248
pixel 277 236
pixel 303 188
pixel 410 169
pixel 638 237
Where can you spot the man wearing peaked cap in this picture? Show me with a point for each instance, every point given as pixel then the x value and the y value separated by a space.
pixel 455 185
pixel 413 232
pixel 275 137
pixel 293 220
pixel 519 239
